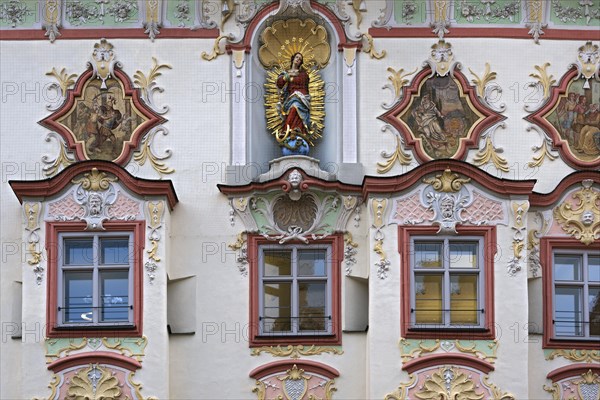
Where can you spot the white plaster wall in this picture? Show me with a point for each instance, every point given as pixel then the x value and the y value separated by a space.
pixel 215 363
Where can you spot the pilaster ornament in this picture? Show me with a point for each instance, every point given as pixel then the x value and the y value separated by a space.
pixel 581 219
pixel 241 247
pixel 588 63
pixel 32 211
pixel 152 19
pixel 441 17
pixel 296 352
pixel 586 356
pixel 533 243
pixel 52 18
pixel 535 18
pixel 155 211
pixel 349 252
pixel 398 155
pixel 519 211
pixel 379 208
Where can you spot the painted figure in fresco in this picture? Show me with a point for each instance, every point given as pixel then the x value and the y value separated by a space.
pixel 101 123
pixel 566 111
pixel 295 99
pixel 587 142
pixel 428 117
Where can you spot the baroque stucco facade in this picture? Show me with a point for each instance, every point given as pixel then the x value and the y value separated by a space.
pixel 201 185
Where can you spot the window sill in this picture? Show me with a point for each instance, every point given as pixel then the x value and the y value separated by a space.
pixel 448 333
pixel 69 331
pixel 279 340
pixel 571 343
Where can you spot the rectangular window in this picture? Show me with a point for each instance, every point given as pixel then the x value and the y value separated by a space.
pixel 576 294
pixel 447 275
pixel 295 290
pixel 95 279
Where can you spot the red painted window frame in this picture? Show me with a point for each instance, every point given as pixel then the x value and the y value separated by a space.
pixel 547 246
pixel 53 328
pixel 337 253
pixel 488 233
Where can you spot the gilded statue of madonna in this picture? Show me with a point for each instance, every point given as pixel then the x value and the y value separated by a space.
pixel 295 94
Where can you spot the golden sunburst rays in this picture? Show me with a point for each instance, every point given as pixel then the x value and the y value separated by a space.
pixel 274 109
pixel 285 38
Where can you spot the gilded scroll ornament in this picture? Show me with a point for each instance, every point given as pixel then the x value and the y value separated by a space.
pixel 543 151
pixel 402 392
pixel 296 351
pixel 519 228
pixel 216 51
pixel 486 78
pixel 544 79
pixel 147 154
pixel 379 207
pixel 554 390
pixel 240 246
pixel 93 383
pixel 496 393
pixel 582 219
pixel 53 386
pixel 447 182
pixel 587 356
pixel 370 48
pixel 148 84
pixel 95 180
pixel 137 387
pixel 391 158
pixel 490 153
pixel 65 80
pixel 32 212
pixel 398 81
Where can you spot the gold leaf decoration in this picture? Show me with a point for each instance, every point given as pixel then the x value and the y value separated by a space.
pixel 146 154
pixel 554 390
pixel 391 158
pixel 447 182
pixel 544 152
pixel 65 81
pixel 402 391
pixel 147 83
pixel 449 383
pixel 95 181
pixel 587 356
pixel 581 220
pixel 137 387
pixel 398 79
pixel 216 51
pixel 53 386
pixel 152 252
pixel 260 390
pixel 497 394
pixel 284 38
pixel 93 383
pixel 486 78
pixel 295 351
pixel 370 49
pixel 489 153
pixel 544 79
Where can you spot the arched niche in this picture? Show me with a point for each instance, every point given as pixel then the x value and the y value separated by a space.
pixel 253 146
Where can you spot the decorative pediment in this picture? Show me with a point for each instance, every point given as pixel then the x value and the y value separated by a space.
pixel 570 114
pixel 103 117
pixel 440 115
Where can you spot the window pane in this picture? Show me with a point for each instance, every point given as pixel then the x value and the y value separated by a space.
pixel 114 251
pixel 567 267
pixel 78 291
pixel 568 316
pixel 312 262
pixel 428 299
pixel 312 300
pixel 78 252
pixel 114 295
pixel 463 299
pixel 593 269
pixel 277 302
pixel 594 307
pixel 463 255
pixel 278 262
pixel 428 255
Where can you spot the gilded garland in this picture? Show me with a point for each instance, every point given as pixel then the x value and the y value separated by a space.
pixel 293 52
